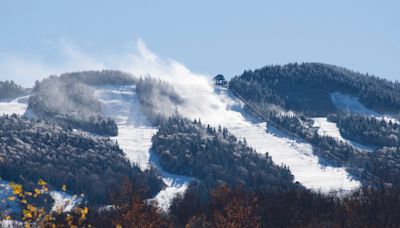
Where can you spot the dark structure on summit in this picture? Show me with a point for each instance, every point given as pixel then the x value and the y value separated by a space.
pixel 220 80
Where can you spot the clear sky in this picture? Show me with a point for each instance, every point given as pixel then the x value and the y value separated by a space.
pixel 208 36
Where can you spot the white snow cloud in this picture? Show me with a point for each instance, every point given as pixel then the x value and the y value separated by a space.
pixel 26 68
pixel 140 61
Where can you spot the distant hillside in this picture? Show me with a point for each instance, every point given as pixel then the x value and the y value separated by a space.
pixel 103 77
pixel 307 88
pixel 34 149
pixel 69 99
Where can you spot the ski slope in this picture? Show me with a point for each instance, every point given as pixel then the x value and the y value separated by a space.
pixel 134 138
pixel 176 185
pixel 134 131
pixel 283 149
pixel 351 104
pixel 217 106
pixel 326 128
pixel 17 106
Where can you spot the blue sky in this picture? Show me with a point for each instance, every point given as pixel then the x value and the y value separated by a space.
pixel 208 37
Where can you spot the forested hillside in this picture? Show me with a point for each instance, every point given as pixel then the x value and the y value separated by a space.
pixel 9 90
pixel 68 99
pixel 214 156
pixel 98 78
pixel 232 184
pixel 306 88
pixel 36 149
pixel 368 130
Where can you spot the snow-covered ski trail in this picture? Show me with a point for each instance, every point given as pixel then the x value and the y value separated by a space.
pixel 134 138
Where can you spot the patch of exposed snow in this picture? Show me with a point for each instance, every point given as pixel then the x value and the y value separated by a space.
pixel 136 143
pixel 11 223
pixel 106 208
pixel 64 202
pixel 17 106
pixel 176 185
pixel 351 104
pixel 166 196
pixel 326 128
pixel 387 119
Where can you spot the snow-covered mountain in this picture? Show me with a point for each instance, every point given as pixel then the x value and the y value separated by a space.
pixel 214 106
pixel 317 149
pixel 135 134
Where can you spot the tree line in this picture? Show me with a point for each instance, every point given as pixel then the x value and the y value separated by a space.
pixel 9 90
pixel 367 130
pixel 307 88
pixel 69 100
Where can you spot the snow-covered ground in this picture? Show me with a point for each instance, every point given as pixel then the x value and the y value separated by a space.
pixel 134 138
pixel 298 156
pixel 351 104
pixel 215 108
pixel 17 106
pixel 326 128
pixel 283 149
pixel 218 108
pixel 222 108
pixel 134 131
pixel 11 223
pixel 64 201
pixel 387 118
pixel 176 185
